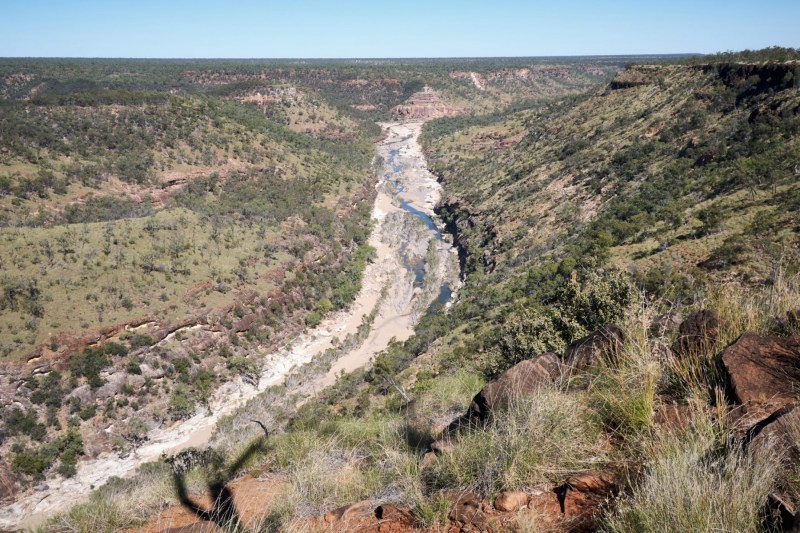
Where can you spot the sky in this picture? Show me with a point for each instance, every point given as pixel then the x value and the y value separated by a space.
pixel 402 28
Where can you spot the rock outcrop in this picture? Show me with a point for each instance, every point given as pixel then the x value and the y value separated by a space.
pixel 601 344
pixel 424 105
pixel 763 376
pixel 515 384
pixel 698 334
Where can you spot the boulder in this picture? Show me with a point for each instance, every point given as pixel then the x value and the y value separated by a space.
pixel 136 381
pixel 672 415
pixel 151 372
pixel 510 501
pixel 245 323
pixel 763 375
pixel 788 324
pixel 467 512
pixel 780 431
pixel 349 511
pixel 601 344
pixel 83 393
pixel 8 487
pixel 779 434
pixel 112 387
pixel 428 458
pixel 583 497
pixel 515 384
pixel 698 334
pixel 393 513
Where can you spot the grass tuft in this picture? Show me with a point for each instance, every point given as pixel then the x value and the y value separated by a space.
pixel 697 481
pixel 544 437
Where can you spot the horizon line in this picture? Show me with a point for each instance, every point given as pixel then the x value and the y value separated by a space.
pixel 389 58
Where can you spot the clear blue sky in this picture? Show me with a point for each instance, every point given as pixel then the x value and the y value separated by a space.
pixel 377 28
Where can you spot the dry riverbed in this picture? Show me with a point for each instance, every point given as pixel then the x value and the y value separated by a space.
pixel 415 265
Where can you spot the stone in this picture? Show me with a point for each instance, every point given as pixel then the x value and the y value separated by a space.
pixel 394 513
pixel 151 372
pixel 510 501
pixel 515 384
pixel 112 387
pixel 349 511
pixel 601 344
pixel 763 376
pixel 779 435
pixel 136 381
pixel 83 393
pixel 583 496
pixel 779 432
pixel 245 323
pixel 427 459
pixel 8 487
pixel 467 512
pixel 672 416
pixel 787 324
pixel 698 334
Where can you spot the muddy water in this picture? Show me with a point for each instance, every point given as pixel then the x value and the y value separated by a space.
pixel 415 266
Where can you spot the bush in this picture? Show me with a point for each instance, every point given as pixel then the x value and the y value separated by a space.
pixel 48 390
pixel 89 364
pixel 140 341
pixel 601 297
pixel 181 404
pixel 17 421
pixel 527 333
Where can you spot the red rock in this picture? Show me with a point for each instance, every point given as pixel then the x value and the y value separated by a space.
pixel 394 513
pixel 515 383
pixel 245 323
pixel 467 512
pixel 763 375
pixel 583 497
pixel 778 435
pixel 428 459
pixel 672 416
pixel 698 334
pixel 603 343
pixel 509 501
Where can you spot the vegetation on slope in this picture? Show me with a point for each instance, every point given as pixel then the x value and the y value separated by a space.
pixel 164 222
pixel 670 190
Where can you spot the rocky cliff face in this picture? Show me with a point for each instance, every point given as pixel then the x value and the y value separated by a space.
pixel 425 105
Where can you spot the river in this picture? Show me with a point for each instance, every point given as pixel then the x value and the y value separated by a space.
pixel 416 265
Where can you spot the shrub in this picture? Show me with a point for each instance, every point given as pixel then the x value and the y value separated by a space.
pixel 138 340
pixel 181 404
pixel 48 390
pixel 527 333
pixel 18 421
pixel 89 364
pixel 601 297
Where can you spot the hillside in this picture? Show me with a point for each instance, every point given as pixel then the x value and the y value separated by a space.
pixel 630 260
pixel 169 226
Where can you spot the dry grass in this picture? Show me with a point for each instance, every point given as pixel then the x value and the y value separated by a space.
pixel 119 505
pixel 548 435
pixel 698 375
pixel 623 389
pixel 697 481
pixel 755 310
